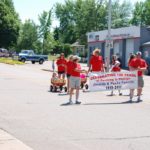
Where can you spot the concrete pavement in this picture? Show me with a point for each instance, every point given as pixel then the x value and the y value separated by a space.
pixel 36 117
pixel 8 142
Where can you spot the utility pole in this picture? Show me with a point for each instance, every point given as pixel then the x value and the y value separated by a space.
pixel 108 38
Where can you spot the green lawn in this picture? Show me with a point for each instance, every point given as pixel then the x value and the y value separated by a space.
pixel 10 61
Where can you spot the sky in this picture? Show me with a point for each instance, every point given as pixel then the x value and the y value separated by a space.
pixel 30 9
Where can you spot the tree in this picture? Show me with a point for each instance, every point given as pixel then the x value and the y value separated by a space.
pixel 121 14
pixel 138 14
pixel 79 17
pixel 44 30
pixel 9 24
pixel 64 13
pixel 146 13
pixel 28 38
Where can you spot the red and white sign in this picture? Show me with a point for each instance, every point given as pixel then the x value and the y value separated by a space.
pixel 112 81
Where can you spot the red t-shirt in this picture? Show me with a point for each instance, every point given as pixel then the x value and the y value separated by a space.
pixel 75 73
pixel 61 62
pixel 69 67
pixel 116 69
pixel 96 63
pixel 138 63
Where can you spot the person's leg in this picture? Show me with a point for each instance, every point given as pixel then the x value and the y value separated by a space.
pixel 77 94
pixel 59 75
pixel 140 86
pixel 112 93
pixel 70 98
pixel 72 87
pixel 120 92
pixel 78 81
pixel 68 88
pixel 139 93
pixel 63 75
pixel 131 94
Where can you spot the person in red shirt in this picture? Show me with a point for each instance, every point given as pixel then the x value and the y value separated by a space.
pixel 96 62
pixel 140 65
pixel 61 64
pixel 115 67
pixel 69 69
pixel 75 79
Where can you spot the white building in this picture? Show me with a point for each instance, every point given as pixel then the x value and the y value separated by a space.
pixel 124 41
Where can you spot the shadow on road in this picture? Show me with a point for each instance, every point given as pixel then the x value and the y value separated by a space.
pixel 126 102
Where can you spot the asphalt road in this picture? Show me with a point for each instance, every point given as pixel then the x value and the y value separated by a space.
pixel 35 116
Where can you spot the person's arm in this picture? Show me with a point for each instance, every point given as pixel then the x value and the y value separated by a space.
pixel 103 66
pixel 89 70
pixel 143 68
pixel 80 70
pixel 90 65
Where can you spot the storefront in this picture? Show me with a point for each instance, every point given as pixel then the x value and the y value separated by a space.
pixel 125 41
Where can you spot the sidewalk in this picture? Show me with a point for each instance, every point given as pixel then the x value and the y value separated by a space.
pixel 8 142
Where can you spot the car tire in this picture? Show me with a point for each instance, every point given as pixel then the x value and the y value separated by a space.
pixel 86 86
pixel 23 60
pixel 51 88
pixel 33 62
pixel 65 88
pixel 41 61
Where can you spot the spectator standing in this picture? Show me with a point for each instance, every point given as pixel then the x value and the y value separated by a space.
pixel 53 65
pixel 140 65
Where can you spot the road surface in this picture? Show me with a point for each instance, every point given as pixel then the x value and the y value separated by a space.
pixel 35 116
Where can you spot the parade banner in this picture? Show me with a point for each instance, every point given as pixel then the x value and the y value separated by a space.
pixel 112 81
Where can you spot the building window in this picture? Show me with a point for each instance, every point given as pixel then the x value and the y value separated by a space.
pixel 97 37
pixel 91 36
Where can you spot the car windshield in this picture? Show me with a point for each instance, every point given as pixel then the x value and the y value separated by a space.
pixel 24 52
pixel 27 52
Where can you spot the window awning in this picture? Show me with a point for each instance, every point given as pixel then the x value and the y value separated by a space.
pixel 146 44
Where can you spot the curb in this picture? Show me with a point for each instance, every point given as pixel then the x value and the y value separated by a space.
pixel 8 142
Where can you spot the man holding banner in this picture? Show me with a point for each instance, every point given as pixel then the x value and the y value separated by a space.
pixel 138 64
pixel 96 62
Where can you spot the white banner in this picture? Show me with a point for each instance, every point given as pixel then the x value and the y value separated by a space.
pixel 112 81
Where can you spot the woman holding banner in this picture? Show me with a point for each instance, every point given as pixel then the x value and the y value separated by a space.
pixel 96 62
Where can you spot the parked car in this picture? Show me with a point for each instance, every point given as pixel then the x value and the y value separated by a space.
pixel 29 55
pixel 4 52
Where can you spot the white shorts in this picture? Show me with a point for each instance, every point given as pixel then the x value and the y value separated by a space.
pixel 75 82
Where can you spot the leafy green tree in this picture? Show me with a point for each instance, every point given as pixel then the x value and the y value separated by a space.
pixel 79 17
pixel 67 49
pixel 9 24
pixel 121 13
pixel 56 34
pixel 146 13
pixel 44 30
pixel 138 14
pixel 28 38
pixel 64 13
